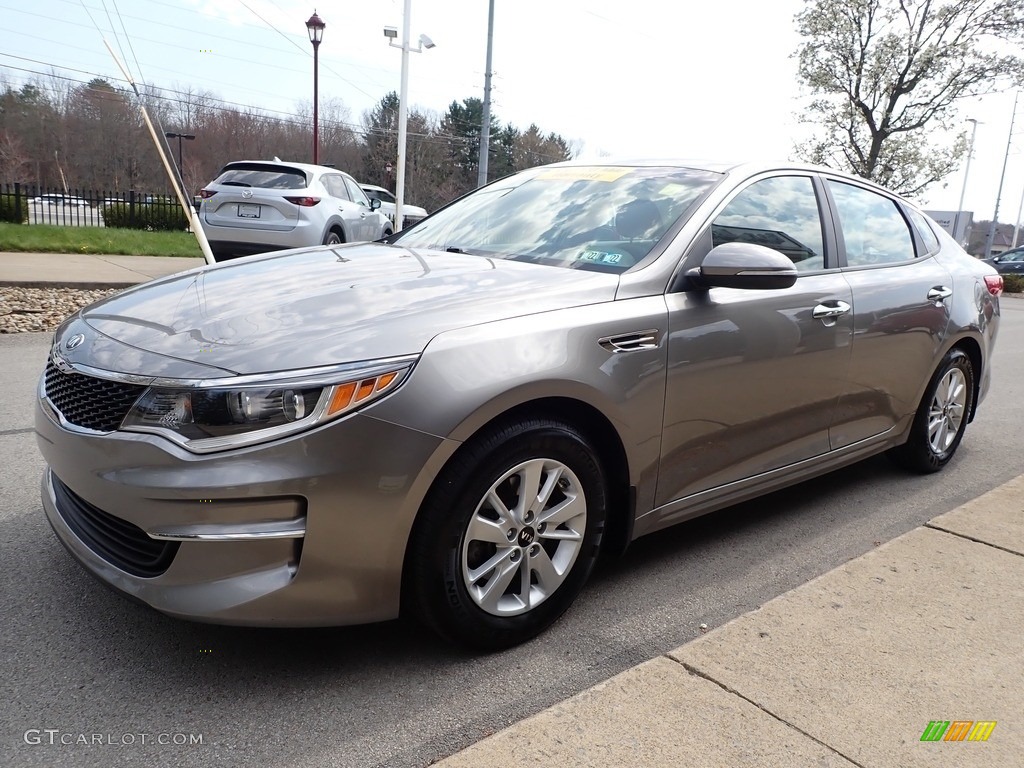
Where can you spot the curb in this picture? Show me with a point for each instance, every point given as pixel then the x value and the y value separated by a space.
pixel 80 286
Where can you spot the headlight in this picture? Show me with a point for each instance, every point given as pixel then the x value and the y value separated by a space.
pixel 211 418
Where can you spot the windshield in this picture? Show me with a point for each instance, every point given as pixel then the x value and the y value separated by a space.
pixel 599 218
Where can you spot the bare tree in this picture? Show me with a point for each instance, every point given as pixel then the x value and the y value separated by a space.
pixel 14 162
pixel 886 76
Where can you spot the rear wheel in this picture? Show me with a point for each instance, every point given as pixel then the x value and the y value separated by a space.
pixel 333 238
pixel 941 418
pixel 509 535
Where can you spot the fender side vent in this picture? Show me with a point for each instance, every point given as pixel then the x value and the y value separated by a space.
pixel 631 342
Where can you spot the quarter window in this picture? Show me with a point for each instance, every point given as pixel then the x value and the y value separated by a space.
pixel 779 213
pixel 874 230
pixel 931 241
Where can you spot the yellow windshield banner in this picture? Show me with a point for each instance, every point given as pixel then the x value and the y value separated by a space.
pixel 584 173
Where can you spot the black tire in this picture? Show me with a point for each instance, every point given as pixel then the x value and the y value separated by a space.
pixel 333 238
pixel 941 417
pixel 443 554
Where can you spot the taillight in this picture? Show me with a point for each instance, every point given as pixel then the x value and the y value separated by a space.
pixel 994 283
pixel 305 202
pixel 206 194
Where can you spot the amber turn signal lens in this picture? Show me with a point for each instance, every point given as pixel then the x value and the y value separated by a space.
pixel 365 389
pixel 352 393
pixel 341 398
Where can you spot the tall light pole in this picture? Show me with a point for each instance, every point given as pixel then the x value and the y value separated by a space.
pixel 179 137
pixel 1002 177
pixel 403 97
pixel 315 27
pixel 963 190
pixel 485 125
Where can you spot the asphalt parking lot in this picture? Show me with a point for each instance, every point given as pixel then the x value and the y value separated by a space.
pixel 80 662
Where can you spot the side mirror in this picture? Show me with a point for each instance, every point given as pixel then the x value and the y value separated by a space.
pixel 374 203
pixel 744 265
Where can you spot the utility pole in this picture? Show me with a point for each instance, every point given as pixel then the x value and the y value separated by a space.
pixel 995 216
pixel 485 126
pixel 963 190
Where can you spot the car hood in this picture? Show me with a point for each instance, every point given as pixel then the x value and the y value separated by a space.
pixel 323 306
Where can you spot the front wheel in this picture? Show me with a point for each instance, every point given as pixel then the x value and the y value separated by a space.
pixel 508 536
pixel 941 418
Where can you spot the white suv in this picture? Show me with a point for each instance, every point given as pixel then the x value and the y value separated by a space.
pixel 266 205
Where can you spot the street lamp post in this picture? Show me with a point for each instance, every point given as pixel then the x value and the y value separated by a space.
pixel 179 137
pixel 315 27
pixel 403 97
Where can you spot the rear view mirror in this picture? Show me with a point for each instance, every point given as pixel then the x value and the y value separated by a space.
pixel 374 203
pixel 744 265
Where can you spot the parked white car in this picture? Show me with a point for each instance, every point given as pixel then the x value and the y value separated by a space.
pixel 410 213
pixel 61 200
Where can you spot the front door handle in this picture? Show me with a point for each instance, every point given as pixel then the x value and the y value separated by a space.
pixel 939 293
pixel 829 309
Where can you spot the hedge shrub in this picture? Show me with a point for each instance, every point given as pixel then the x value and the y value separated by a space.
pixel 165 217
pixel 8 210
pixel 1013 283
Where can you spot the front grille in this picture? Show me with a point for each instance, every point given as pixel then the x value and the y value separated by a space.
pixel 87 401
pixel 115 540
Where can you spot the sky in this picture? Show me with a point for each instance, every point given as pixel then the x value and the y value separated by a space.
pixel 642 78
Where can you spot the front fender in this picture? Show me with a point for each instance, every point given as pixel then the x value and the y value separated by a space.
pixel 468 377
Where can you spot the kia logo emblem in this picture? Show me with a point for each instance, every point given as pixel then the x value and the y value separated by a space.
pixel 74 342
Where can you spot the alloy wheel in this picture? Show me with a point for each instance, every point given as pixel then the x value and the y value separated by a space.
pixel 947 410
pixel 524 536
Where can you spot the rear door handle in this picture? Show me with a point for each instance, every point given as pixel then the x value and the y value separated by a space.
pixel 939 293
pixel 829 309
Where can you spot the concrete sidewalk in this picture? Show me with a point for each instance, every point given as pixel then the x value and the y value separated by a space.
pixel 846 670
pixel 87 271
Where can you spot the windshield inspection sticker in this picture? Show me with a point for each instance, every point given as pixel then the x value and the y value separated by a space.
pixel 600 257
pixel 584 174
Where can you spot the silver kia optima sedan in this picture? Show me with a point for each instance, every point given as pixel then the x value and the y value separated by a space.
pixel 457 422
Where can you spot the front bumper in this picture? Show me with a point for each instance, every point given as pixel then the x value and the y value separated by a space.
pixel 305 531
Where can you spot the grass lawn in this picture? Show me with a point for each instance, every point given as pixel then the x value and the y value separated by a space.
pixel 44 238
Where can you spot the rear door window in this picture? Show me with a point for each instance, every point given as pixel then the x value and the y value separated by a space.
pixel 335 185
pixel 874 230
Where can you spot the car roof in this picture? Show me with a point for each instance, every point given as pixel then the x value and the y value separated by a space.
pixel 738 167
